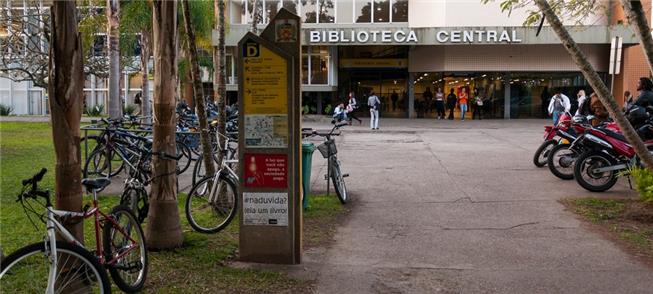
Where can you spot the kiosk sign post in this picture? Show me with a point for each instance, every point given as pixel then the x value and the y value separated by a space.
pixel 270 143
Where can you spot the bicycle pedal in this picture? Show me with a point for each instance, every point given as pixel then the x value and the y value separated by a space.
pixel 345 175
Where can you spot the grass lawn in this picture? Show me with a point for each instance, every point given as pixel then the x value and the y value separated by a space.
pixel 200 266
pixel 629 223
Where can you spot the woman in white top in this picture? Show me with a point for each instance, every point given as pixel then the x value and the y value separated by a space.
pixel 583 104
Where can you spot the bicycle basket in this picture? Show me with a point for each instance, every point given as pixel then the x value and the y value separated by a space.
pixel 328 148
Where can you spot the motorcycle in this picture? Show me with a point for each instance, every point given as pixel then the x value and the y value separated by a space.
pixel 550 140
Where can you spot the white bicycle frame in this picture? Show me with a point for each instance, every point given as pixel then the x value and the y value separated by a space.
pixel 52 225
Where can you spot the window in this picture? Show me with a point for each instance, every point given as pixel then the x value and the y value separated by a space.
pixel 315 65
pixel 382 11
pixel 363 10
pixel 308 11
pixel 400 11
pixel 291 5
pixel 345 10
pixel 327 11
pixel 271 8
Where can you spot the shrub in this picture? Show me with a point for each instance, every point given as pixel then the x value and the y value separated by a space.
pixel 98 110
pixel 129 109
pixel 5 110
pixel 644 183
pixel 328 109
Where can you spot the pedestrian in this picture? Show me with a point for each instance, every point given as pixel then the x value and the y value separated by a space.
pixel 478 105
pixel 451 103
pixel 394 97
pixel 352 106
pixel 559 104
pixel 462 101
pixel 628 100
pixel 375 105
pixel 428 100
pixel 583 104
pixel 439 103
pixel 339 113
pixel 645 88
pixel 138 102
pixel 598 110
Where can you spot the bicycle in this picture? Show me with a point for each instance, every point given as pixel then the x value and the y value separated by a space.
pixel 210 208
pixel 328 150
pixel 121 250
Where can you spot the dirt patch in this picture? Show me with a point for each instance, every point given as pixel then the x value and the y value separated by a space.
pixel 628 223
pixel 322 219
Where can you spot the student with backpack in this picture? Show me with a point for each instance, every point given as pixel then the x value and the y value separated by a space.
pixel 559 104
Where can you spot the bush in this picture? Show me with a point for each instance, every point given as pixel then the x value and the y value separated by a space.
pixel 129 109
pixel 644 183
pixel 98 110
pixel 328 109
pixel 5 110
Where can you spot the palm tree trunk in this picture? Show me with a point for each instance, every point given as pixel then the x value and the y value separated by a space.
pixel 146 106
pixel 164 227
pixel 65 90
pixel 115 102
pixel 198 91
pixel 219 75
pixel 637 19
pixel 595 81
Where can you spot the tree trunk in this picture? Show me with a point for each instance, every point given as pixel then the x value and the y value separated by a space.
pixel 164 227
pixel 146 107
pixel 219 75
pixel 198 91
pixel 65 89
pixel 595 81
pixel 115 102
pixel 639 22
pixel 254 28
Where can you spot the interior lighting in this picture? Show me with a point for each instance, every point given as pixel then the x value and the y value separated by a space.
pixel 426 74
pixel 484 76
pixel 466 79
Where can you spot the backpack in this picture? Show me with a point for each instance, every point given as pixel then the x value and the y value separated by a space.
pixel 557 105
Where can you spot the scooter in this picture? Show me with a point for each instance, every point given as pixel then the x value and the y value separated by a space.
pixel 550 139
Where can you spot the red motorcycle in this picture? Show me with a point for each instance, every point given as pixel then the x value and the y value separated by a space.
pixel 551 139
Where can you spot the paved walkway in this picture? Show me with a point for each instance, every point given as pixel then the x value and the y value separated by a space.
pixel 458 207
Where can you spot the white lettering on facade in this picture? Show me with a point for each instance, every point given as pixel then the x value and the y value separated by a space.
pixel 455 37
pixel 315 36
pixel 360 36
pixel 514 37
pixel 374 33
pixel 480 35
pixel 492 36
pixel 400 39
pixel 468 36
pixel 401 36
pixel 504 37
pixel 442 36
pixel 333 36
pixel 385 36
pixel 411 37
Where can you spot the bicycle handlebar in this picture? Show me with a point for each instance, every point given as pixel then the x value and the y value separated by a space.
pixel 36 178
pixel 33 192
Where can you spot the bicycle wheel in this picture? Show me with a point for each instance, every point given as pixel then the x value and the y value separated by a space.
pixel 136 199
pixel 209 211
pixel 124 249
pixel 98 164
pixel 338 180
pixel 198 170
pixel 27 269
pixel 184 162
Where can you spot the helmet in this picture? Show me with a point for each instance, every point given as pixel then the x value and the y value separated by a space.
pixel 637 116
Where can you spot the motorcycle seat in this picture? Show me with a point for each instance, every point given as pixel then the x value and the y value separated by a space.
pixel 615 135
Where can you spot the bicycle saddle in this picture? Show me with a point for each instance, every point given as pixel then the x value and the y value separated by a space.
pixel 95 184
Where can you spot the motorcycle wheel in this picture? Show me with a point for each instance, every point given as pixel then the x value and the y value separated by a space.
pixel 595 182
pixel 539 159
pixel 561 161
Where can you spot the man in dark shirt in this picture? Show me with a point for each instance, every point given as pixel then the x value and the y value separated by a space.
pixel 645 88
pixel 451 103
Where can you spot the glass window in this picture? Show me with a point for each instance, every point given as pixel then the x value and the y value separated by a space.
pixel 345 11
pixel 327 11
pixel 308 11
pixel 290 5
pixel 400 11
pixel 319 69
pixel 250 11
pixel 237 11
pixel 363 10
pixel 382 11
pixel 271 8
pixel 228 67
pixel 315 65
pixel 304 69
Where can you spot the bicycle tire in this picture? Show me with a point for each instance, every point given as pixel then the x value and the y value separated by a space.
pixel 197 198
pixel 338 180
pixel 9 272
pixel 198 169
pixel 540 156
pixel 96 160
pixel 184 162
pixel 558 167
pixel 112 249
pixel 137 200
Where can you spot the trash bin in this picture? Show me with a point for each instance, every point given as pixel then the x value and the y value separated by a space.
pixel 307 156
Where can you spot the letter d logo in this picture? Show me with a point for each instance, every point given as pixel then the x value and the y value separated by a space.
pixel 251 50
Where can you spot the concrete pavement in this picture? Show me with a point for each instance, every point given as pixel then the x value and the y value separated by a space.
pixel 458 207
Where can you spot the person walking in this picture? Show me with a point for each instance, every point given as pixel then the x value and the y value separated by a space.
pixel 439 103
pixel 559 104
pixel 583 104
pixel 451 103
pixel 375 105
pixel 352 107
pixel 428 100
pixel 478 105
pixel 394 97
pixel 462 101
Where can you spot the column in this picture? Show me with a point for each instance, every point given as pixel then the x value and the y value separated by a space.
pixel 506 96
pixel 411 95
pixel 319 103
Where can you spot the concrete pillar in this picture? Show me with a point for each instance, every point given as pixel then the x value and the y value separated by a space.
pixel 411 95
pixel 319 103
pixel 506 96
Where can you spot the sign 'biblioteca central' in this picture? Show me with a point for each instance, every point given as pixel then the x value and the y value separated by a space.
pixel 410 36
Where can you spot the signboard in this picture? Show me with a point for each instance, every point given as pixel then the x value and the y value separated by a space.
pixel 374 63
pixel 265 209
pixel 266 170
pixel 266 81
pixel 266 131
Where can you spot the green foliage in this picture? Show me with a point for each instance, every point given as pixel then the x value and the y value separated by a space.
pixel 201 14
pixel 5 110
pixel 597 210
pixel 98 110
pixel 328 109
pixel 135 19
pixel 308 109
pixel 129 109
pixel 644 183
pixel 575 11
